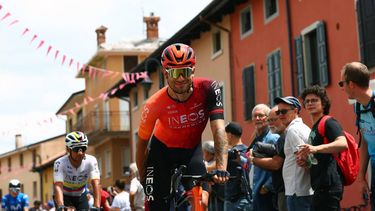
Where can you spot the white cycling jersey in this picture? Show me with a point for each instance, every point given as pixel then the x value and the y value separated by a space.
pixel 75 179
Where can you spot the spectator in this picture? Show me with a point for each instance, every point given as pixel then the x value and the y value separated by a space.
pixel 137 195
pixel 296 180
pixel 50 206
pixel 237 191
pixel 355 79
pixel 37 206
pixel 209 159
pixel 121 201
pixel 275 163
pixel 104 200
pixel 260 179
pixel 326 180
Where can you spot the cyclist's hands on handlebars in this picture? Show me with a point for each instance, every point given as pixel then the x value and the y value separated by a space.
pixel 220 176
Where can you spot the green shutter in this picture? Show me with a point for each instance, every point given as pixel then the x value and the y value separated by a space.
pixel 248 80
pixel 274 77
pixel 366 23
pixel 322 55
pixel 301 84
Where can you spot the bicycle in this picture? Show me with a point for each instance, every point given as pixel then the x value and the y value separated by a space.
pixel 195 193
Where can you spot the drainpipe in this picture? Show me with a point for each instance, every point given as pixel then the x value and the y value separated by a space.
pixel 290 43
pixel 230 59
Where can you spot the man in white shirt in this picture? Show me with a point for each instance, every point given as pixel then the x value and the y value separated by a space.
pixel 296 179
pixel 137 195
pixel 121 201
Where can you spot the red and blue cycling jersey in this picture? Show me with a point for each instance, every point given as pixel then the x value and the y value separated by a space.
pixel 181 124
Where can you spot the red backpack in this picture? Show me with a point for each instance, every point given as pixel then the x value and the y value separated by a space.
pixel 347 160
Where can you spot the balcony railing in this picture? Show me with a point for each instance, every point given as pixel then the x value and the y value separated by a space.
pixel 104 121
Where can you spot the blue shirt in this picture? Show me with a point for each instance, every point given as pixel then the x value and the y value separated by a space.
pixel 367 125
pixel 15 203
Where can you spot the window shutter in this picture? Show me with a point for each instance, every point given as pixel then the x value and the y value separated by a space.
pixel 274 77
pixel 301 84
pixel 366 19
pixel 271 79
pixel 277 69
pixel 248 80
pixel 322 55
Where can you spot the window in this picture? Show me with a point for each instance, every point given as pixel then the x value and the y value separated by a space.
pixel 366 28
pixel 80 118
pixel 99 159
pixel 274 76
pixel 46 178
pixel 70 124
pixel 107 116
pixel 271 9
pixel 125 159
pixel 216 43
pixel 9 165
pixel 130 62
pixel 145 93
pixel 35 189
pixel 108 164
pixel 134 143
pixel 21 160
pixel 161 78
pixel 311 57
pixel 246 22
pixel 135 99
pixel 248 81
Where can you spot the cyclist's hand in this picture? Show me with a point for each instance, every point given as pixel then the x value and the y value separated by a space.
pixel 221 176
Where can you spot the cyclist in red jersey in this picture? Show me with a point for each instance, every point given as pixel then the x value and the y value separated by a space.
pixel 173 119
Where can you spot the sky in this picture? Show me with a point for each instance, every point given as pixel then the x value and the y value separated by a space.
pixel 33 84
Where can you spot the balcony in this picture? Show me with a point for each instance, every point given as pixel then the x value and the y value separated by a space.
pixel 104 121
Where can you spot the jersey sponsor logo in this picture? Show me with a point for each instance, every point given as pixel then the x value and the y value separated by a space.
pixel 149 181
pixel 73 179
pixel 186 120
pixel 145 113
pixel 215 85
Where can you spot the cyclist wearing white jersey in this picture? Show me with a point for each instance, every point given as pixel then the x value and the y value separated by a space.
pixel 72 174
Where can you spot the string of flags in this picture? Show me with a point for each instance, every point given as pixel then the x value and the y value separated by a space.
pixel 66 60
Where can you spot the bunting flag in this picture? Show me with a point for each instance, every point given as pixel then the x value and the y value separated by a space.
pixel 63 59
pixel 13 22
pixel 70 62
pixel 5 16
pixel 49 49
pixel 34 37
pixel 56 53
pixel 25 31
pixel 40 44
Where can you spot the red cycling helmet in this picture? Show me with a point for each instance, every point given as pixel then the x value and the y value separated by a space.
pixel 178 55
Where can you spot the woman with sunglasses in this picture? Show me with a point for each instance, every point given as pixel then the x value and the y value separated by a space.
pixel 174 119
pixel 72 173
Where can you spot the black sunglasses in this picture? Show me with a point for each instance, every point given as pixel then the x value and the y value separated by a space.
pixel 283 111
pixel 77 149
pixel 341 83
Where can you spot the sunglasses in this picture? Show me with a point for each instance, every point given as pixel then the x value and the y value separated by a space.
pixel 283 111
pixel 312 101
pixel 272 119
pixel 79 149
pixel 341 83
pixel 176 72
pixel 15 189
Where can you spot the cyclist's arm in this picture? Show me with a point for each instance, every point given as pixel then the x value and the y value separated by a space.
pixel 58 190
pixel 141 156
pixel 96 188
pixel 26 202
pixel 221 143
